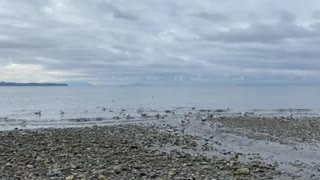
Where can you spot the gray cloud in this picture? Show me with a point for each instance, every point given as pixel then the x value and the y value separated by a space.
pixel 159 42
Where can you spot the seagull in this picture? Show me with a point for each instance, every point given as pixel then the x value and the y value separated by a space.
pixel 244 114
pixel 140 110
pixel 158 116
pixel 23 123
pixel 182 130
pixel 144 114
pixel 103 109
pixel 216 126
pixel 61 113
pixel 116 117
pixel 184 121
pixel 203 119
pixel 38 113
pixel 129 117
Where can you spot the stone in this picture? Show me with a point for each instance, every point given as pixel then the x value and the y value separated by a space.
pixel 29 166
pixel 71 177
pixel 172 172
pixel 243 171
pixel 117 169
pixel 102 177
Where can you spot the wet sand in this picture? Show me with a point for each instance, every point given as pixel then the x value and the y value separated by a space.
pixel 218 147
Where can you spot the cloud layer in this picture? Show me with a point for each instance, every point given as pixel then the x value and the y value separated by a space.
pixel 160 42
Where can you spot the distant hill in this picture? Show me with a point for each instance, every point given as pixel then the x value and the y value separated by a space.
pixel 31 84
pixel 78 84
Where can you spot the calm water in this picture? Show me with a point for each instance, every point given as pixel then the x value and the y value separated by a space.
pixel 22 102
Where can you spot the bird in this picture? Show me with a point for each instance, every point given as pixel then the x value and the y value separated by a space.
pixel 140 110
pixel 244 114
pixel 61 113
pixel 144 114
pixel 158 116
pixel 216 126
pixel 199 117
pixel 184 121
pixel 38 113
pixel 203 119
pixel 210 116
pixel 104 109
pixel 129 117
pixel 182 130
pixel 24 123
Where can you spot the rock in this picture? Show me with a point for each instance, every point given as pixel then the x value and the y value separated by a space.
pixel 204 163
pixel 102 177
pixel 172 172
pixel 9 165
pixel 243 171
pixel 117 169
pixel 71 177
pixel 153 175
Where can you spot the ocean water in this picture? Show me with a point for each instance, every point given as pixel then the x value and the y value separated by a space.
pixel 20 103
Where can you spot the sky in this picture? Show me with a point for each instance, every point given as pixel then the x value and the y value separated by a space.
pixel 160 42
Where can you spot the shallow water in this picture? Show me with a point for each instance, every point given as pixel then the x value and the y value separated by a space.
pixel 20 103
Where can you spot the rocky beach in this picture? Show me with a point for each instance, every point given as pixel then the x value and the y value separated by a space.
pixel 193 145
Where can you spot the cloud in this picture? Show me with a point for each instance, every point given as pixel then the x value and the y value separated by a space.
pixel 17 72
pixel 159 42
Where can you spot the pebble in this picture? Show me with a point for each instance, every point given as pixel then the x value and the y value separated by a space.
pixel 243 171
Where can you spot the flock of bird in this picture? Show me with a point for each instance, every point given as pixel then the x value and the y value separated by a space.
pixel 201 116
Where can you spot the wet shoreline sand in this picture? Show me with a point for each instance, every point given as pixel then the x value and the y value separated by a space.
pixel 164 150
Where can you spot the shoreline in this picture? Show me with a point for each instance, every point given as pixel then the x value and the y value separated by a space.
pixel 278 148
pixel 115 152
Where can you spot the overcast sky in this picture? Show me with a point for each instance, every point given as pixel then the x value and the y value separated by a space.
pixel 160 42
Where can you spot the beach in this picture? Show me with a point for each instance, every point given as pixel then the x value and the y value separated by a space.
pixel 220 147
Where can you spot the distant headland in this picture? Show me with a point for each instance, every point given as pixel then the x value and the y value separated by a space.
pixel 2 83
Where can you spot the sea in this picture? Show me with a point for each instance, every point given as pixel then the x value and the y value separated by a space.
pixel 60 104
